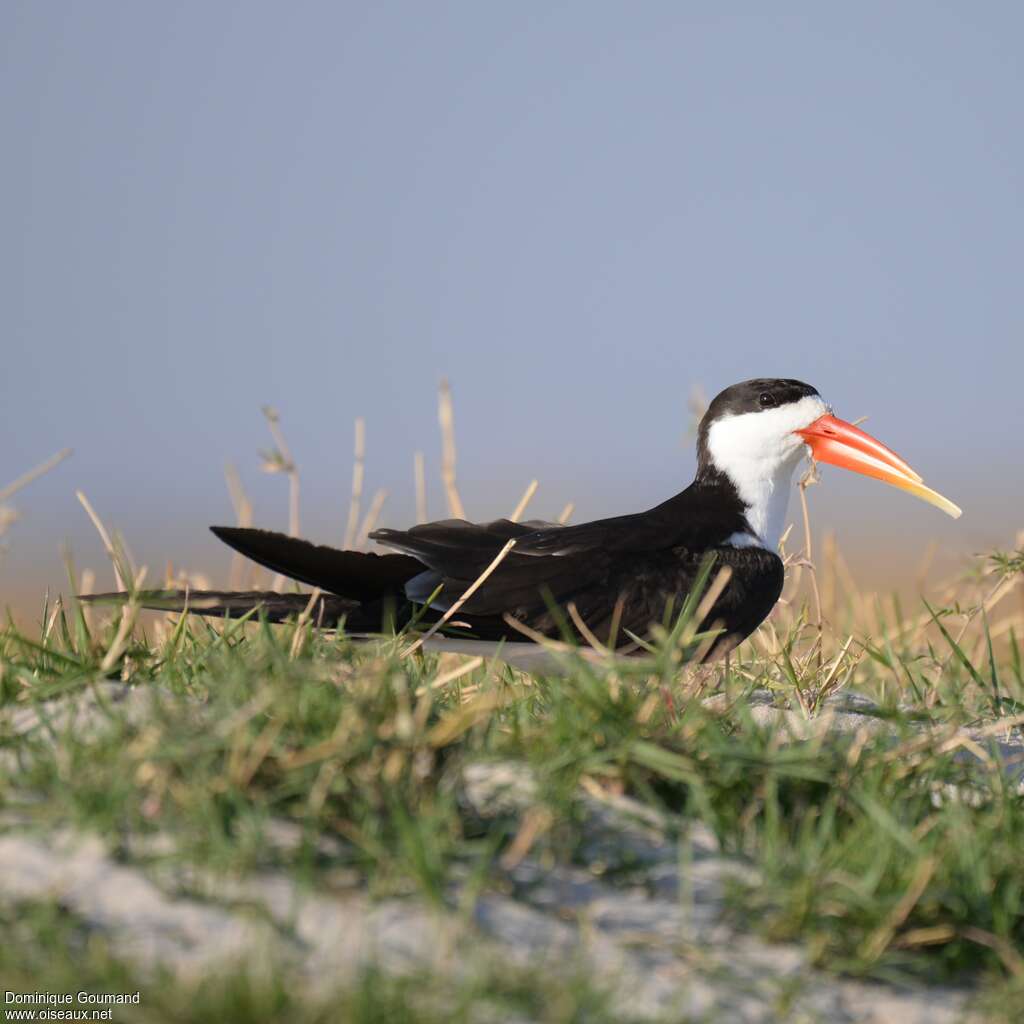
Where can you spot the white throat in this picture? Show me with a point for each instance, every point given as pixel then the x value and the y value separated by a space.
pixel 759 451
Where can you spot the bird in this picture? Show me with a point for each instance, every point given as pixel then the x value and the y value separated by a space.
pixel 498 585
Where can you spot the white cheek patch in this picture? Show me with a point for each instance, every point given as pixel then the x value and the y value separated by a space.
pixel 762 436
pixel 758 451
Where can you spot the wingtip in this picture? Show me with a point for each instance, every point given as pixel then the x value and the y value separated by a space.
pixel 142 597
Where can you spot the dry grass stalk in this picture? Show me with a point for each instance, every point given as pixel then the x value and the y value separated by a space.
pixel 7 517
pixel 58 607
pixel 833 672
pixel 536 821
pixel 810 478
pixel 33 474
pixel 372 515
pixel 298 637
pixel 936 935
pixel 451 675
pixel 525 500
pixel 585 631
pixel 469 592
pixel 707 602
pixel 702 652
pixel 280 461
pixel 829 577
pixel 104 537
pixel 243 518
pixel 128 614
pixel 447 420
pixel 536 636
pixel 697 405
pixel 420 477
pixel 239 499
pixel 1003 586
pixel 86 586
pixel 616 621
pixel 558 646
pixel 243 763
pixel 358 472
pixel 1012 960
pixel 463 718
pixel 877 942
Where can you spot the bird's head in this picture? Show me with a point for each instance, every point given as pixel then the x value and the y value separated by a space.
pixel 757 432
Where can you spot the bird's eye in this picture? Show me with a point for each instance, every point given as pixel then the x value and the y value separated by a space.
pixel 766 400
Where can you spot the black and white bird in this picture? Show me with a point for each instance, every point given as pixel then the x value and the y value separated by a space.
pixel 618 574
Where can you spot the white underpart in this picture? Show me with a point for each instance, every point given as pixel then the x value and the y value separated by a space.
pixel 759 451
pixel 743 540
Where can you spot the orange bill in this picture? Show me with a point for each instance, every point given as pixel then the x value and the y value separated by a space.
pixel 839 443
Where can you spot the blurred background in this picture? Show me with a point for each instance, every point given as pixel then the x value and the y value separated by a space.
pixel 579 213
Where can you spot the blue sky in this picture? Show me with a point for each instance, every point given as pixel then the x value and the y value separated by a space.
pixel 578 212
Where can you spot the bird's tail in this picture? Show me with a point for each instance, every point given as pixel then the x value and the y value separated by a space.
pixel 362 588
pixel 326 610
pixel 358 575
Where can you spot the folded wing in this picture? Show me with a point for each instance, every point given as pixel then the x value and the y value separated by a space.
pixel 536 570
pixel 359 575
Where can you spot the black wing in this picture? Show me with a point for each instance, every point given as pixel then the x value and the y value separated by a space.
pixel 455 553
pixel 637 560
pixel 360 575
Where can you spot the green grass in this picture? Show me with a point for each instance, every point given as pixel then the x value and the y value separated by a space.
pixel 887 854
